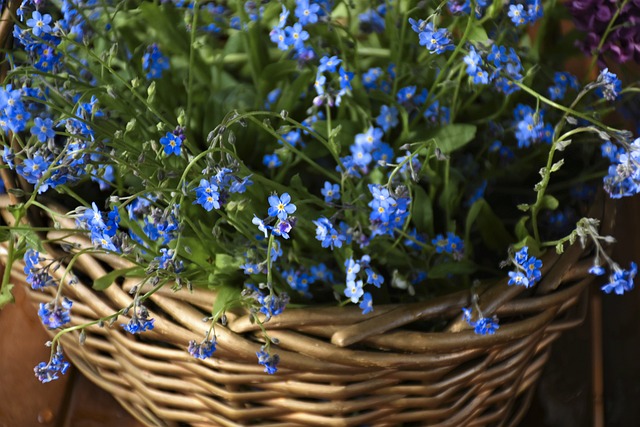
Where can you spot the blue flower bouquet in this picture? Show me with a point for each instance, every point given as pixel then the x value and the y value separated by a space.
pixel 309 212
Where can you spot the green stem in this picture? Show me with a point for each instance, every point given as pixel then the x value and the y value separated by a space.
pixel 194 23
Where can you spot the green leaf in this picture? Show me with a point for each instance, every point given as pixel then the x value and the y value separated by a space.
pixel 422 211
pixel 478 34
pixel 557 165
pixel 531 243
pixel 30 238
pixel 6 297
pixel 227 263
pixel 549 202
pixel 103 282
pixel 452 137
pixel 5 234
pixel 226 297
pixel 442 271
pixel 492 229
pixel 521 228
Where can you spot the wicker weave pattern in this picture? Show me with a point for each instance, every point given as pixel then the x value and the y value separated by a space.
pixel 338 367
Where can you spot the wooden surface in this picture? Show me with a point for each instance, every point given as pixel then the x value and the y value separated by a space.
pixel 564 396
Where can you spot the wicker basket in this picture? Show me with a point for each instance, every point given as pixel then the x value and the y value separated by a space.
pixel 338 367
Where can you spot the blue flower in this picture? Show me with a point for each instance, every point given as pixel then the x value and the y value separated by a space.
pixel 207 194
pixel 250 268
pixel 329 64
pixel 370 77
pixel 345 79
pixel 352 268
pixel 43 129
pixel 486 326
pixel 154 62
pixel 330 192
pixel 202 350
pixel 295 36
pixel 140 321
pixel 39 23
pixel 322 273
pixel 327 234
pixel 596 270
pixel 271 161
pixel 354 290
pixel 517 14
pixel 370 139
pixel 518 278
pixel 528 269
pixel 46 372
pixel 610 151
pixel 270 304
pixel 278 36
pixel 367 303
pixel 388 117
pixel 436 41
pixel 171 143
pixel 167 261
pixel 621 281
pixel 269 362
pixel 276 251
pixel 498 55
pixel 55 314
pixel 609 86
pixel 451 244
pixel 307 13
pixel 483 326
pixel 405 95
pixel 374 278
pixel 281 207
pixel 261 225
pixel 319 83
pixel 360 156
pixel 371 22
pixel 282 19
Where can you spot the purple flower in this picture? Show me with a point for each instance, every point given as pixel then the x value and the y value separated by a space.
pixel 593 17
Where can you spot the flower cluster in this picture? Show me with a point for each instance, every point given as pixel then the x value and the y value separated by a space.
pixel 154 63
pixel 202 350
pixel 482 326
pixel 46 372
pixel 623 178
pixel 495 66
pixel 269 362
pixel 102 227
pixel 213 193
pixel 305 152
pixel 140 320
pixel 55 314
pixel 527 269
